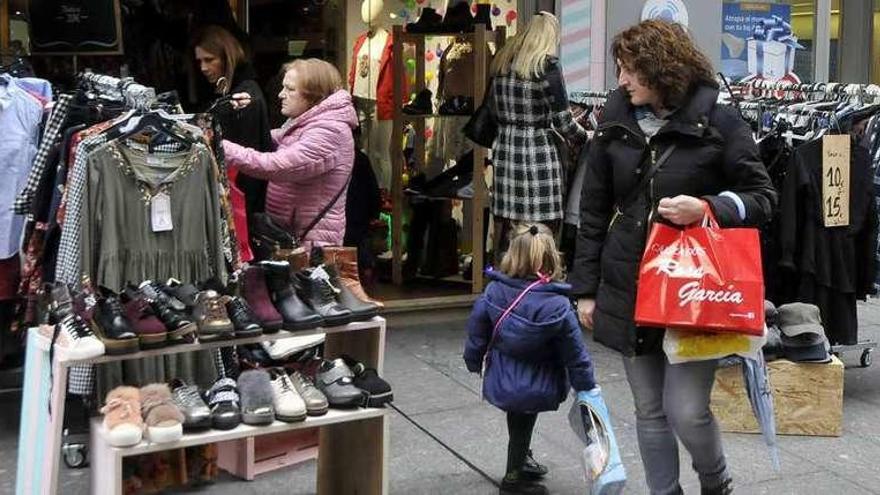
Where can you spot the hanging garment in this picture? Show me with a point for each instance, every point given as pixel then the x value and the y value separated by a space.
pixel 20 115
pixel 151 217
pixel 831 266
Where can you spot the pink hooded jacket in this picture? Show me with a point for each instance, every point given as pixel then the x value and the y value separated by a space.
pixel 312 162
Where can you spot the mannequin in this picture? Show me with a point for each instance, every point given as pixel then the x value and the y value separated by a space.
pixel 371 86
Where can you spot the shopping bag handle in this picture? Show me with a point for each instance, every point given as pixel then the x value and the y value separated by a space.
pixel 709 220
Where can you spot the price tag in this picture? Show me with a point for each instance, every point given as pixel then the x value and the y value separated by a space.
pixel 160 213
pixel 835 180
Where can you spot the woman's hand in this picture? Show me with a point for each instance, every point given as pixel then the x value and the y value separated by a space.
pixel 240 100
pixel 682 210
pixel 585 312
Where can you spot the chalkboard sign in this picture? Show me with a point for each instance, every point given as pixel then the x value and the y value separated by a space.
pixel 71 27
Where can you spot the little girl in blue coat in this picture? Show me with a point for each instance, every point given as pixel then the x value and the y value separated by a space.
pixel 524 336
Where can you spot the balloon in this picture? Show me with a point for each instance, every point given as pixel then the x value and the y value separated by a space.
pixel 411 64
pixel 429 55
pixel 429 76
pixel 420 1
pixel 510 17
pixel 439 52
pixel 496 11
pixel 403 13
pixel 429 133
pixel 412 81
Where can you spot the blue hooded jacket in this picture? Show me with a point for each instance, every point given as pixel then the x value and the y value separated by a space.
pixel 539 348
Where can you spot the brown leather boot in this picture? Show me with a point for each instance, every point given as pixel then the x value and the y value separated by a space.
pixel 345 260
pixel 298 259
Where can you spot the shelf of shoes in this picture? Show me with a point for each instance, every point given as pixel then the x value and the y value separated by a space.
pixel 353 444
pixel 44 343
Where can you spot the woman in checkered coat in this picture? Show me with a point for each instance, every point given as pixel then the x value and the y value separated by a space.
pixel 530 102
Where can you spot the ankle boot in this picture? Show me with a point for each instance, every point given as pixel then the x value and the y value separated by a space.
pixel 315 288
pixel 297 314
pixel 360 310
pixel 429 22
pixel 484 15
pixel 255 292
pixel 725 488
pixel 112 325
pixel 421 104
pixel 515 483
pixel 458 19
pixel 345 260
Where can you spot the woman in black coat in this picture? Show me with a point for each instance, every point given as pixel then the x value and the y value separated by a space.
pixel 222 61
pixel 666 101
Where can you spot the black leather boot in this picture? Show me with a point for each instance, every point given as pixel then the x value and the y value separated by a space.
pixel 484 15
pixel 516 483
pixel 360 310
pixel 421 104
pixel 297 314
pixel 320 294
pixel 243 318
pixel 113 326
pixel 429 22
pixel 532 469
pixel 458 19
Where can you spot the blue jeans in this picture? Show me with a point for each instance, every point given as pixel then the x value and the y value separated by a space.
pixel 672 400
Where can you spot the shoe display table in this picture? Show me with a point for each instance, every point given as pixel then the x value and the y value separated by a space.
pixel 353 444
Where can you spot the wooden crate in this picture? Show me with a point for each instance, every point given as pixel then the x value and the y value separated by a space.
pixel 252 456
pixel 807 399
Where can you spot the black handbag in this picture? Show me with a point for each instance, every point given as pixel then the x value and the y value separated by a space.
pixel 482 128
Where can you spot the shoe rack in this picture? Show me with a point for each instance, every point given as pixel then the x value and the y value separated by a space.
pixel 352 448
pixel 482 40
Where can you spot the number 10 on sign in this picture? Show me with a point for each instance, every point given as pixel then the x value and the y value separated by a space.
pixel 835 180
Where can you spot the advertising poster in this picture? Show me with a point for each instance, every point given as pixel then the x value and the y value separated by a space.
pixel 757 41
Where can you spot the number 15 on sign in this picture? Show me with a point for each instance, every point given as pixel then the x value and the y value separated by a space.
pixel 835 180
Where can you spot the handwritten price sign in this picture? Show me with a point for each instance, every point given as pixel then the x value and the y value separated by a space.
pixel 835 180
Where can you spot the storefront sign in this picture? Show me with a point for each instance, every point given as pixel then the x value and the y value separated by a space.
pixel 835 180
pixel 670 10
pixel 757 41
pixel 75 27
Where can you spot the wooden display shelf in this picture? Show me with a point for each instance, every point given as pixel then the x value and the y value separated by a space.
pixel 103 452
pixel 352 444
pixel 481 39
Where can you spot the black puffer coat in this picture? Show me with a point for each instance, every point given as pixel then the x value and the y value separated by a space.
pixel 715 152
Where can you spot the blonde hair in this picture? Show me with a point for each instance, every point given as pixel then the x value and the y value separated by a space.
pixel 532 250
pixel 223 45
pixel 316 79
pixel 526 52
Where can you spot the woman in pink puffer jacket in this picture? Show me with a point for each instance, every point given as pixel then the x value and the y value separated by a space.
pixel 314 153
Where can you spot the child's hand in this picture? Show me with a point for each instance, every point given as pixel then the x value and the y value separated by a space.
pixel 586 307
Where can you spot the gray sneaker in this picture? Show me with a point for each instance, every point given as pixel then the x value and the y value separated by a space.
pixel 316 402
pixel 196 414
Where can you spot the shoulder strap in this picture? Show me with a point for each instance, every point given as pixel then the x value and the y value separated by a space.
pixel 324 211
pixel 646 177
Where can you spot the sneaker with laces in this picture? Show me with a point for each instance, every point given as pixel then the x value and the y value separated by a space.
pixel 70 335
pixel 289 405
pixel 156 291
pixel 243 319
pixel 187 398
pixel 224 401
pixel 123 425
pixel 214 323
pixel 180 326
pixel 316 402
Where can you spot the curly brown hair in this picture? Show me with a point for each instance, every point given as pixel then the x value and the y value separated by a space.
pixel 665 58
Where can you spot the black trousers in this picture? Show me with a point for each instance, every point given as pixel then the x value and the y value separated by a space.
pixel 519 428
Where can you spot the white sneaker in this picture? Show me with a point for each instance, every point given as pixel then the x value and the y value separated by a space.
pixel 283 348
pixel 73 338
pixel 289 406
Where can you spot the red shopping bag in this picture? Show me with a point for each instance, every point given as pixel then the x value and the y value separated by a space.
pixel 702 278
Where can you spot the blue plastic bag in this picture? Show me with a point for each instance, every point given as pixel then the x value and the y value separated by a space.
pixel 603 469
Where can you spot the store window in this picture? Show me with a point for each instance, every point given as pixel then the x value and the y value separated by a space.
pixel 772 40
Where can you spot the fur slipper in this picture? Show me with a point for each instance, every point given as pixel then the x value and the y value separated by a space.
pixel 122 417
pixel 163 419
pixel 255 388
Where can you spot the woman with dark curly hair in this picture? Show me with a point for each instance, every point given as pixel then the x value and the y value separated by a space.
pixel 663 152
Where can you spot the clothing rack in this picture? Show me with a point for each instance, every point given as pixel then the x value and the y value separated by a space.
pixel 807 91
pixel 581 96
pixel 126 89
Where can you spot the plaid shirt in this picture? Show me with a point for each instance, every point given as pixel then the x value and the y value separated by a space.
pixel 528 170
pixel 56 119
